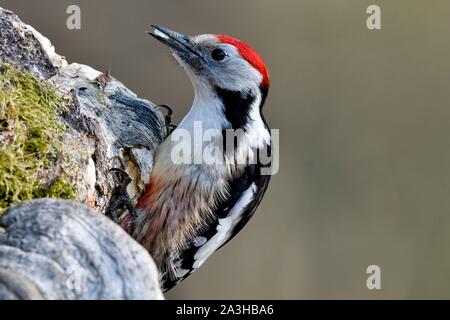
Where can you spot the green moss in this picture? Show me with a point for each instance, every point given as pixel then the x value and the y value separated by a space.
pixel 30 135
pixel 59 188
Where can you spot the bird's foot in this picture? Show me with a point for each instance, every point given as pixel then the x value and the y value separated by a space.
pixel 118 204
pixel 168 118
pixel 124 177
pixel 119 198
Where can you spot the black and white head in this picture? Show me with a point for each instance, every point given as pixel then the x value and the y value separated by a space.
pixel 230 79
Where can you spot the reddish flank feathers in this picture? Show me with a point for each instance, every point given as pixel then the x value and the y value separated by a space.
pixel 249 54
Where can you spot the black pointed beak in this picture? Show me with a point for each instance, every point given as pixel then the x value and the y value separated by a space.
pixel 178 42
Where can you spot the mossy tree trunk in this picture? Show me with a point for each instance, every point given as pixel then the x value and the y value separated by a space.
pixel 64 127
pixel 69 131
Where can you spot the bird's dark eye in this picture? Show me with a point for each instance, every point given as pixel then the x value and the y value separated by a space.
pixel 218 54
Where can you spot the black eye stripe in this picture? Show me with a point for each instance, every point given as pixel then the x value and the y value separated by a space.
pixel 218 54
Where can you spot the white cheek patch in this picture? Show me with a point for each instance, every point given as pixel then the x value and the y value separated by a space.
pixel 224 228
pixel 236 74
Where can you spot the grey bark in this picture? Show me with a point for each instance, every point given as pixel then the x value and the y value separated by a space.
pixel 55 249
pixel 59 249
pixel 108 126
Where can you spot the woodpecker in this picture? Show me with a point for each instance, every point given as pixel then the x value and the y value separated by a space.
pixel 190 210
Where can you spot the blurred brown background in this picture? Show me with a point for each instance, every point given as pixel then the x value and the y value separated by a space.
pixel 364 118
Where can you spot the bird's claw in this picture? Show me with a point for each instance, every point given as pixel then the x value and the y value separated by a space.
pixel 119 197
pixel 126 179
pixel 168 118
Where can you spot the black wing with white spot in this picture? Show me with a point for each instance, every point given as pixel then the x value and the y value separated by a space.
pixel 232 215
